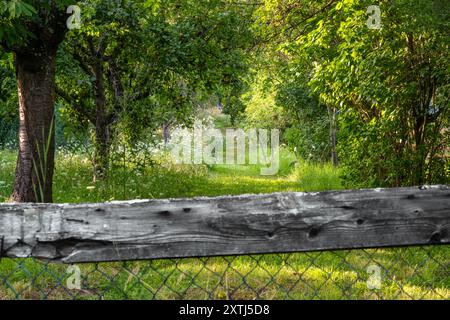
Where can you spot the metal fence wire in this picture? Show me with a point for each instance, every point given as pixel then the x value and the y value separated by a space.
pixel 421 272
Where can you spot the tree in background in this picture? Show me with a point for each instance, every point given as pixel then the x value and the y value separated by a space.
pixel 308 124
pixel 309 128
pixel 98 61
pixel 386 90
pixel 141 65
pixel 391 86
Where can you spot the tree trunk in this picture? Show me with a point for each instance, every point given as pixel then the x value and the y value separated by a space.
pixel 102 148
pixel 166 133
pixel 102 127
pixel 35 72
pixel 333 132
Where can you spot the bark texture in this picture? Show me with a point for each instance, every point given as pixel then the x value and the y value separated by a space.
pixel 35 74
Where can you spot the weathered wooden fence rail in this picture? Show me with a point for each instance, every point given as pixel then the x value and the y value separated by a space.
pixel 247 224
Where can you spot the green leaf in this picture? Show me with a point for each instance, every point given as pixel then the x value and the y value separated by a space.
pixel 27 9
pixel 3 7
pixel 12 9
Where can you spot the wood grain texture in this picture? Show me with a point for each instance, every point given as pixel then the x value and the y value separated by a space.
pixel 266 223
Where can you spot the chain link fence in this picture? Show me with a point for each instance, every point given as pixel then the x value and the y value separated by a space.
pixel 397 273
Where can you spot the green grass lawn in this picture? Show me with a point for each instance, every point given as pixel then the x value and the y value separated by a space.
pixel 406 273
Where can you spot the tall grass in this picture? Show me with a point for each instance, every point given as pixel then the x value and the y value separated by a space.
pixel 317 177
pixel 7 170
pixel 73 179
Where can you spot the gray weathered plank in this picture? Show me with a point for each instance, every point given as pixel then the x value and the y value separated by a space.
pixel 279 222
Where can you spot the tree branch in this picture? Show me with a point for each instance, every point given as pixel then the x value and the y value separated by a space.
pixel 80 109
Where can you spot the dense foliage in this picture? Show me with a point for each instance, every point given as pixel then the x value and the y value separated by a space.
pixel 387 89
pixel 372 100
